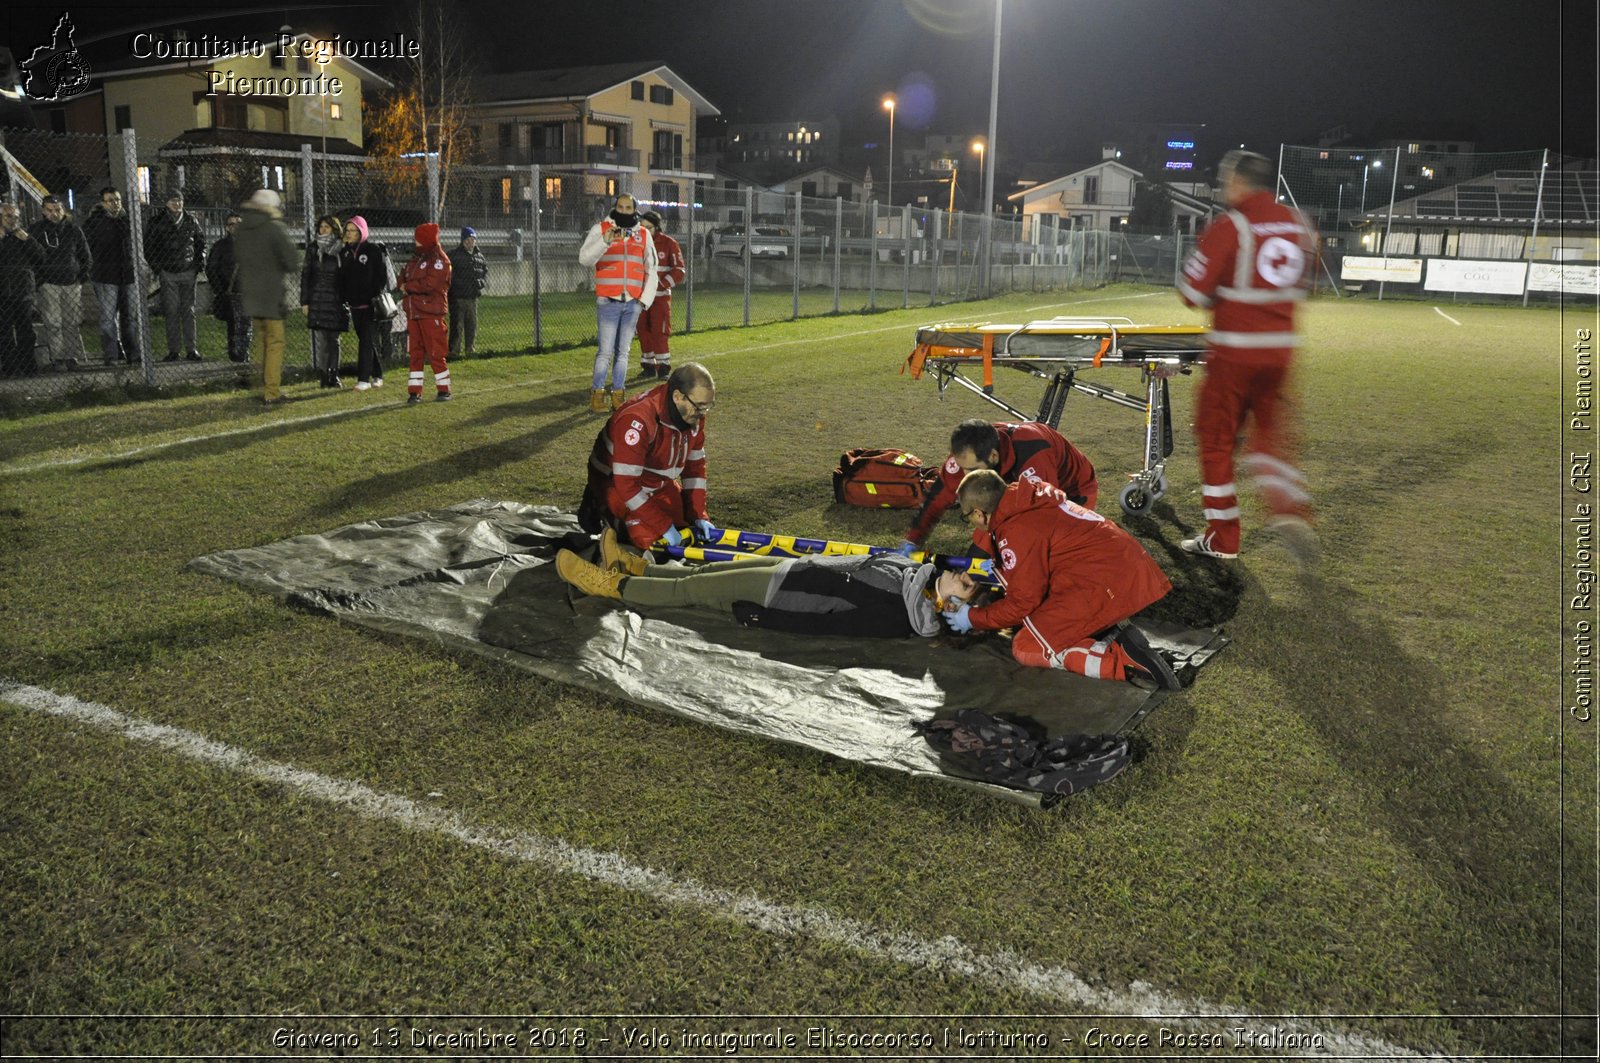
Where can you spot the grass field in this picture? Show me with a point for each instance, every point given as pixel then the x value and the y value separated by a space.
pixel 1367 807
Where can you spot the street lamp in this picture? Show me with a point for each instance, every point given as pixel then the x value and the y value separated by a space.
pixel 888 105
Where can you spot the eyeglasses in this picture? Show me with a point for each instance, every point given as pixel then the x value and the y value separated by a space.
pixel 701 408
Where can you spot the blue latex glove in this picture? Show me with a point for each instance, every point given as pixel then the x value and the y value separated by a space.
pixel 960 622
pixel 907 548
pixel 705 531
pixel 673 536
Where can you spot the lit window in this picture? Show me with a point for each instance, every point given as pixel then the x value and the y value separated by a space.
pixel 143 178
pixel 552 188
pixel 336 111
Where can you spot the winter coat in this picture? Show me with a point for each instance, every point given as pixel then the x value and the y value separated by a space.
pixel 319 290
pixel 877 596
pixel 222 273
pixel 110 247
pixel 426 278
pixel 363 273
pixel 174 245
pixel 66 252
pixel 469 273
pixel 19 261
pixel 266 256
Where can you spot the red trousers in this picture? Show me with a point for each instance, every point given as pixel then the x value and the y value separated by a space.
pixel 428 338
pixel 655 328
pixel 1229 394
pixel 1095 658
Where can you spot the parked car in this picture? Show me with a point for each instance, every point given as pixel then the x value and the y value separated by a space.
pixel 766 241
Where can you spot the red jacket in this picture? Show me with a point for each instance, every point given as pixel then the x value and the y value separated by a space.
pixel 1027 451
pixel 1251 266
pixel 670 267
pixel 426 278
pixel 643 451
pixel 1068 572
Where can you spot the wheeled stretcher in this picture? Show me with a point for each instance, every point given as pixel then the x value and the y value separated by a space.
pixel 1056 350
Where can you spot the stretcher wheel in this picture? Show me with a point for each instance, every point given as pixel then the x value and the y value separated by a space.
pixel 1159 491
pixel 1134 499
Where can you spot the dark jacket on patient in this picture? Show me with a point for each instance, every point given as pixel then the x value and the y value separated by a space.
pixel 857 595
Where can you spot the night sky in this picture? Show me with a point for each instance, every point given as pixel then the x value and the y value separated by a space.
pixel 1073 72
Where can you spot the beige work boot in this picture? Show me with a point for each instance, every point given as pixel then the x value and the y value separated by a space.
pixel 590 579
pixel 618 397
pixel 597 401
pixel 614 558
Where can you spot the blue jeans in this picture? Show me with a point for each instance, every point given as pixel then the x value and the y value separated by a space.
pixel 118 340
pixel 617 322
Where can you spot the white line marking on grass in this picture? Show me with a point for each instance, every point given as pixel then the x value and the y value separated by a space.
pixel 1000 969
pixel 1446 316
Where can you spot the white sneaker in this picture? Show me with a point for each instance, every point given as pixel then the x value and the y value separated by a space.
pixel 363 386
pixel 1202 545
pixel 378 383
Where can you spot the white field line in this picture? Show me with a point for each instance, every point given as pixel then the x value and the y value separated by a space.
pixel 1000 969
pixel 1446 316
pixel 15 470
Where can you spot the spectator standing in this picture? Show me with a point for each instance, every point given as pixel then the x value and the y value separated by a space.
pixel 266 258
pixel 624 259
pixel 62 275
pixel 363 273
pixel 175 249
pixel 20 259
pixel 1250 266
pixel 320 300
pixel 426 282
pixel 227 306
pixel 469 276
pixel 655 322
pixel 109 230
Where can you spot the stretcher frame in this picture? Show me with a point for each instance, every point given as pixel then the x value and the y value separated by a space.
pixel 1055 350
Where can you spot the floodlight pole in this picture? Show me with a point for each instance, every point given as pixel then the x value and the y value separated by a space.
pixel 988 160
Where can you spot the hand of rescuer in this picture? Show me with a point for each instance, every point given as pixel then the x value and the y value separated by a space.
pixel 705 532
pixel 959 621
pixel 673 536
pixel 906 548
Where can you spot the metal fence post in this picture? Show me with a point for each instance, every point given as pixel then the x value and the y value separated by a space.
pixel 688 271
pixel 905 229
pixel 141 272
pixel 308 190
pixel 938 257
pixel 433 187
pixel 872 251
pixel 794 259
pixel 749 227
pixel 838 238
pixel 1394 186
pixel 535 225
pixel 1538 208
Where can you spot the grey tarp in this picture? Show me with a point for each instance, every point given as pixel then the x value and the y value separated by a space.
pixel 479 576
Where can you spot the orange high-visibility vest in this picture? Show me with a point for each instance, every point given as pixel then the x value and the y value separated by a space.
pixel 621 270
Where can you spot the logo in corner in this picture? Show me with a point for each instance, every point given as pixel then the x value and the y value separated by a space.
pixel 57 71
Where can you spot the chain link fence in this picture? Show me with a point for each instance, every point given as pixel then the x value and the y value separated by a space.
pixel 1423 221
pixel 753 256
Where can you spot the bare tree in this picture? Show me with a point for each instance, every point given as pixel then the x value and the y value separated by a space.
pixel 426 113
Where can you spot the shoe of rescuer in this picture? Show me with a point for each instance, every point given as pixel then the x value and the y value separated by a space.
pixel 1146 656
pixel 590 579
pixel 614 558
pixel 1201 544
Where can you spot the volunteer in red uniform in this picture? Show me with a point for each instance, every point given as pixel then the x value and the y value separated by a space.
pixel 647 472
pixel 655 323
pixel 1250 266
pixel 624 259
pixel 426 282
pixel 1017 452
pixel 1070 577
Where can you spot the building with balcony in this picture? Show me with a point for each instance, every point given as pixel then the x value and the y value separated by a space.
pixel 595 132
